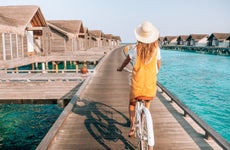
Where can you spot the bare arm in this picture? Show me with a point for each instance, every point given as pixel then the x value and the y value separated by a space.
pixel 158 64
pixel 125 63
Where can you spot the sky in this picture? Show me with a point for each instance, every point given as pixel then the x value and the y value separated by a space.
pixel 121 17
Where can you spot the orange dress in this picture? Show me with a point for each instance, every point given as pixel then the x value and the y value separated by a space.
pixel 144 78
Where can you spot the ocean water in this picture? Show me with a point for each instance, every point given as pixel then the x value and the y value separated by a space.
pixel 202 83
pixel 23 126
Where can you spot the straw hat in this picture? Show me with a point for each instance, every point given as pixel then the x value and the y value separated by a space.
pixel 146 32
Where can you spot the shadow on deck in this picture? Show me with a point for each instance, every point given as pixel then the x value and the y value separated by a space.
pixel 97 116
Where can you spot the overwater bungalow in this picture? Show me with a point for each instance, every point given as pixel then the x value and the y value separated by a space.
pixel 67 35
pixel 219 39
pixel 117 40
pixel 161 41
pixel 182 40
pixel 170 40
pixel 24 32
pixel 228 40
pixel 90 39
pixel 109 39
pixel 197 40
pixel 100 37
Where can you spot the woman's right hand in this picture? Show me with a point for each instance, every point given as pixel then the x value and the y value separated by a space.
pixel 119 69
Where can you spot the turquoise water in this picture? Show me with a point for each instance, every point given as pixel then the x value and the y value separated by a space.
pixel 202 83
pixel 60 66
pixel 23 126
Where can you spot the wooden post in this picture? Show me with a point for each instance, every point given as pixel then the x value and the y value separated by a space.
pixel 36 65
pixel 56 67
pixel 76 67
pixel 53 64
pixel 16 70
pixel 32 66
pixel 47 65
pixel 17 45
pixel 43 67
pixel 3 46
pixel 11 47
pixel 65 65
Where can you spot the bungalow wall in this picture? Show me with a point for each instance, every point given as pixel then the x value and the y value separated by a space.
pixel 182 42
pixel 86 43
pixel 191 42
pixel 202 42
pixel 12 46
pixel 71 44
pixel 173 42
pixel 216 42
pixel 58 42
pixel 99 42
pixel 89 42
pixel 92 42
pixel 80 44
pixel 45 39
pixel 224 43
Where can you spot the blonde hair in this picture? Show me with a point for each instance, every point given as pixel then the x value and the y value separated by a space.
pixel 146 51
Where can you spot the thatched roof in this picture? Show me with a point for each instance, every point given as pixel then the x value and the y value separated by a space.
pixel 219 36
pixel 161 38
pixel 118 38
pixel 97 33
pixel 197 37
pixel 182 37
pixel 15 19
pixel 169 38
pixel 108 36
pixel 70 27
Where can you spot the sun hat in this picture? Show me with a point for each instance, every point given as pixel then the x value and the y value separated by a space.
pixel 146 32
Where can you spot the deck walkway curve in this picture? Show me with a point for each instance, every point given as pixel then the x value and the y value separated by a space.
pixel 99 118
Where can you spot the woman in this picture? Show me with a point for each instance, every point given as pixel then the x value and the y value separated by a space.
pixel 145 58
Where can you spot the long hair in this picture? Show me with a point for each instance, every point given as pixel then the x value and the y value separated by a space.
pixel 146 51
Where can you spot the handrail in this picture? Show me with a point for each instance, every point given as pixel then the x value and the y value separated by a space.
pixel 209 132
pixel 47 71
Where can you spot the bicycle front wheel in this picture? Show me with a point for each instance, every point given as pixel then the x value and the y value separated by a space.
pixel 147 139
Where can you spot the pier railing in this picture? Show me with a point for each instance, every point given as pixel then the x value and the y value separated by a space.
pixel 47 71
pixel 43 75
pixel 209 132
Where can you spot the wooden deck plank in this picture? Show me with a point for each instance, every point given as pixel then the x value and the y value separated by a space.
pixel 99 120
pixel 37 90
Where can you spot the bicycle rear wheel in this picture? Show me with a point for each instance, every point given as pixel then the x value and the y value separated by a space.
pixel 146 131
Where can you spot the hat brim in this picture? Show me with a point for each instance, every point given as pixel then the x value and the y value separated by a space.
pixel 152 37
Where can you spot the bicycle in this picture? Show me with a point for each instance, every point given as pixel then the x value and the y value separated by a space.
pixel 143 125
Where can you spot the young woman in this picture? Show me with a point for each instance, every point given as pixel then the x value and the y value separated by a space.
pixel 146 60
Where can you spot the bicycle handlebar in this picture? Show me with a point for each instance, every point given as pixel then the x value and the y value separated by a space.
pixel 127 70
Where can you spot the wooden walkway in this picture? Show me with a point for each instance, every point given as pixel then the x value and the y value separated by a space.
pixel 99 118
pixel 91 55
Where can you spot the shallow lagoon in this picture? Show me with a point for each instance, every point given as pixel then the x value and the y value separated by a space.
pixel 202 83
pixel 23 126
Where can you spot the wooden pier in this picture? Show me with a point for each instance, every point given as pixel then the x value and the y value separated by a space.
pixel 97 117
